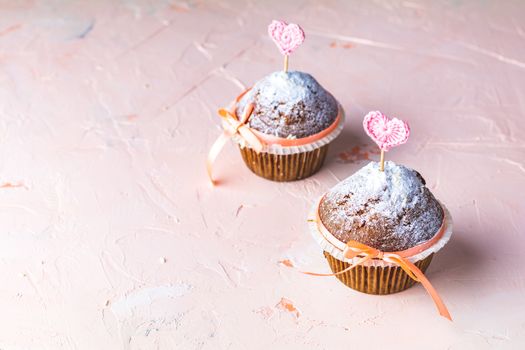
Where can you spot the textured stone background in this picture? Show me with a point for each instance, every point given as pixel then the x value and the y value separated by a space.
pixel 111 237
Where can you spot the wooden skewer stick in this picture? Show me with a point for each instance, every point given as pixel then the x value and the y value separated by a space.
pixel 382 168
pixel 285 63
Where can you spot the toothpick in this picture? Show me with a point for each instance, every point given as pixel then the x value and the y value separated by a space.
pixel 285 63
pixel 382 168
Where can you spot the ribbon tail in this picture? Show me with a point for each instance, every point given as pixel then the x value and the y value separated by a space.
pixel 214 152
pixel 242 94
pixel 412 270
pixel 251 139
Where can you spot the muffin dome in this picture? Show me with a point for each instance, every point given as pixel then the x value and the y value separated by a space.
pixel 390 211
pixel 289 105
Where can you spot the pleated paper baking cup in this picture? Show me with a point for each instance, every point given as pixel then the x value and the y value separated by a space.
pixel 379 280
pixel 284 167
pixel 335 247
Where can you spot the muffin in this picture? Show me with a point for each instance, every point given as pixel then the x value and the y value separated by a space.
pixel 294 118
pixel 391 211
pixel 289 105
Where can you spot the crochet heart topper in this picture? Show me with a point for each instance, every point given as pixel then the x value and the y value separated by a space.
pixel 287 37
pixel 385 132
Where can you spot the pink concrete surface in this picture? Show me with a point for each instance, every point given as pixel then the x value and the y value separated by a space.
pixel 112 238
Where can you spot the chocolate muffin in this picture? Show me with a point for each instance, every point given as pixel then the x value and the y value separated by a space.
pixel 289 105
pixel 390 211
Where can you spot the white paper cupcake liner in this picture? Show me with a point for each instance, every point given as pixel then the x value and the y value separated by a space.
pixel 284 150
pixel 335 247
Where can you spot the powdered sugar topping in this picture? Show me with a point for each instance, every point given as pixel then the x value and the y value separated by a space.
pixel 394 202
pixel 289 104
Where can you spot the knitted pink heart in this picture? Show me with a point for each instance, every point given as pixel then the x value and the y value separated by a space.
pixel 287 37
pixel 385 132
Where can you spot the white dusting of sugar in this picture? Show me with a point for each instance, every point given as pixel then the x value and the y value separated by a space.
pixel 394 202
pixel 290 105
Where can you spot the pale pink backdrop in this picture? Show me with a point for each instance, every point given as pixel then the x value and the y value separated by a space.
pixel 112 238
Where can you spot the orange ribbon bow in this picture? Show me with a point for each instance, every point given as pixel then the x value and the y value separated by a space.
pixel 363 252
pixel 253 138
pixel 355 249
pixel 233 126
